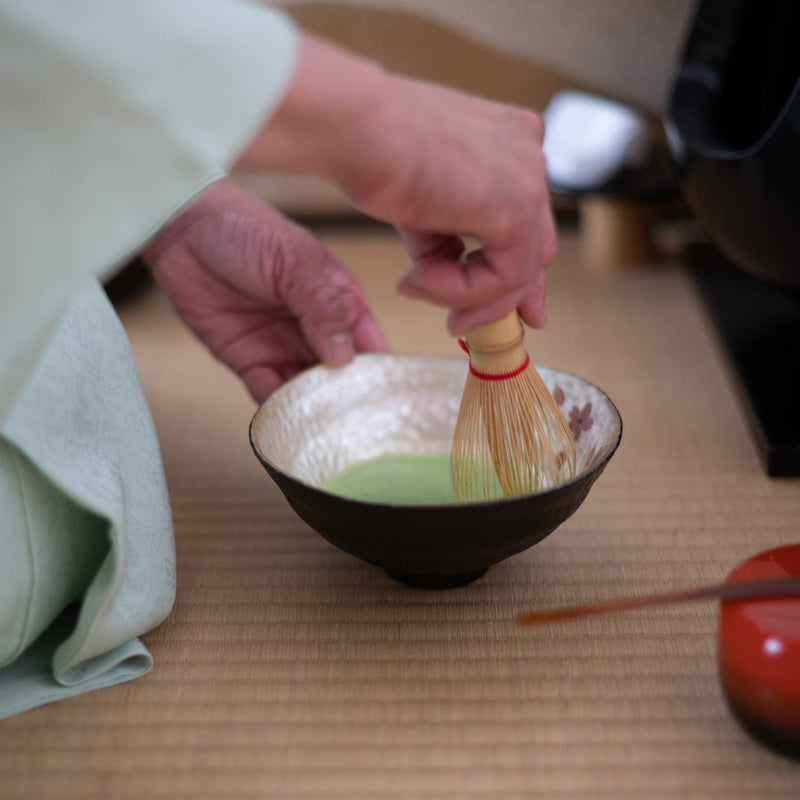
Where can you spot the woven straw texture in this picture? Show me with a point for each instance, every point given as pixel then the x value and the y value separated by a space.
pixel 290 670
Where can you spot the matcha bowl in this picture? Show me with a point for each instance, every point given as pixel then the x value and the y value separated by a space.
pixel 387 422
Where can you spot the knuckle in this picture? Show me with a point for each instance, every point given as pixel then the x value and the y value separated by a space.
pixel 527 124
pixel 294 256
pixel 548 250
pixel 507 220
pixel 324 305
pixel 534 125
pixel 534 192
pixel 278 259
pixel 327 302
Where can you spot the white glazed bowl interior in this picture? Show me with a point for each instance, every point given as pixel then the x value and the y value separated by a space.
pixel 327 419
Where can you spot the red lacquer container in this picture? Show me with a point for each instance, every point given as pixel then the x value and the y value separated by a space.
pixel 759 654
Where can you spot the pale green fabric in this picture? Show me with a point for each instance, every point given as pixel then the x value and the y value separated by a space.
pixel 115 114
pixel 51 550
pixel 29 681
pixel 85 517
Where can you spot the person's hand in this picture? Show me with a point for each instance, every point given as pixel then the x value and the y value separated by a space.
pixel 471 167
pixel 437 164
pixel 263 293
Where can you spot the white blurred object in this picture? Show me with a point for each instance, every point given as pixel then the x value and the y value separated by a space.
pixel 589 139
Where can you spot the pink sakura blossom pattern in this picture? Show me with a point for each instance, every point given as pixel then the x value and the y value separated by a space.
pixel 580 420
pixel 558 395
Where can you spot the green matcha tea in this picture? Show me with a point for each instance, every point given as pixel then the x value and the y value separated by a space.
pixel 402 479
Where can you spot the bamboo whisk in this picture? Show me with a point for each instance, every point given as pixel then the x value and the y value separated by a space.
pixel 510 437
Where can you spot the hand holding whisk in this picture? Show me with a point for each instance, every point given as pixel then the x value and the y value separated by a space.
pixel 511 437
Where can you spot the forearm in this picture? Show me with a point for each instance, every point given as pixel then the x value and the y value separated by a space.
pixel 433 162
pixel 330 119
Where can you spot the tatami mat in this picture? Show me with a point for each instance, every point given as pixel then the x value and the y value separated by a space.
pixel 291 670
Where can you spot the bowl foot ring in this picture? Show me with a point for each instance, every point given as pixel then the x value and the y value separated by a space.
pixel 435 581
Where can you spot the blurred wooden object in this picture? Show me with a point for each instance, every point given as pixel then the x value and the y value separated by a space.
pixel 618 220
pixel 616 233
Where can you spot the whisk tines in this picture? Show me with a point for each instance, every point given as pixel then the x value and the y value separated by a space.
pixel 511 437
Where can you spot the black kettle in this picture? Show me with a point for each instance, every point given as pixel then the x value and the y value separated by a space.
pixel 733 128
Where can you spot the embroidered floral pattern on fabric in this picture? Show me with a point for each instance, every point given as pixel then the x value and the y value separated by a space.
pixel 83 420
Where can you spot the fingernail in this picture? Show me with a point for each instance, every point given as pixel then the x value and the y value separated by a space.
pixel 455 327
pixel 407 285
pixel 340 349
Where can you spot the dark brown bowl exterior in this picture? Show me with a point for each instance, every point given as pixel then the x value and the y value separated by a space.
pixel 434 547
pixel 325 420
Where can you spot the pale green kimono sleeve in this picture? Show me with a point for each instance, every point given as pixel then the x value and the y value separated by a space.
pixel 115 113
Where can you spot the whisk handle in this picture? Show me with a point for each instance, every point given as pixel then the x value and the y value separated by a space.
pixel 496 336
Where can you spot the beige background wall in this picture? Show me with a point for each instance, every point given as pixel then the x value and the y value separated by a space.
pixel 516 51
pixel 625 48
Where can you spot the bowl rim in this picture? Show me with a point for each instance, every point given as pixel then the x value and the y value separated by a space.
pixel 594 470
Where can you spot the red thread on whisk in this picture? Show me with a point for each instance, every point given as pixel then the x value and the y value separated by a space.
pixel 502 376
